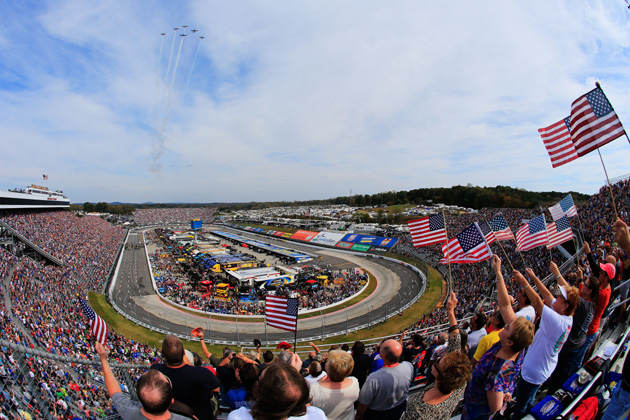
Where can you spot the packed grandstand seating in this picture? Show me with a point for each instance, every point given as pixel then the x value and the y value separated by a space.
pixel 160 216
pixel 39 304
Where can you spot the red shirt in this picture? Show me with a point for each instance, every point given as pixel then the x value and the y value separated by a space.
pixel 602 303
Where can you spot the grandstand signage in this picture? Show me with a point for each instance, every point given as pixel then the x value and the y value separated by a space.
pixel 351 237
pixel 328 238
pixel 385 242
pixel 359 247
pixel 286 235
pixel 346 245
pixel 366 240
pixel 304 235
pixel 278 233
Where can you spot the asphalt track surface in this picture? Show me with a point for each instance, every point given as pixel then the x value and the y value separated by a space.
pixel 134 295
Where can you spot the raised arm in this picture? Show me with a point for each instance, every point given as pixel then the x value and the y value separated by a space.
pixel 622 237
pixel 111 383
pixel 451 304
pixel 314 347
pixel 507 312
pixel 537 302
pixel 542 289
pixel 556 272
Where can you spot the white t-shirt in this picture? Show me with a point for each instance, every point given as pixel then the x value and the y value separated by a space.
pixel 475 336
pixel 337 404
pixel 312 413
pixel 312 379
pixel 528 312
pixel 542 356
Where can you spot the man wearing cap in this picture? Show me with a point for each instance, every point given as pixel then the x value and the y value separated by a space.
pixel 605 273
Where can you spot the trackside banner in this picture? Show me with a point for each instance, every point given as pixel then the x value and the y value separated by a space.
pixel 359 247
pixel 346 245
pixel 328 238
pixel 385 242
pixel 304 235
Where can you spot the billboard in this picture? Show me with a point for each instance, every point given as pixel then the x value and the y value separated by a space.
pixel 346 245
pixel 366 240
pixel 304 235
pixel 278 234
pixel 286 235
pixel 359 247
pixel 351 237
pixel 328 238
pixel 385 242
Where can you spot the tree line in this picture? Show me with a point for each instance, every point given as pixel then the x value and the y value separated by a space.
pixel 463 196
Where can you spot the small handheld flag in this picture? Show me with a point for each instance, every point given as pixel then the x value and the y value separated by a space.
pixel 97 325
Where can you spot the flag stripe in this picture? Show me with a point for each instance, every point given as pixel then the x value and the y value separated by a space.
pixel 97 325
pixel 559 232
pixel 566 206
pixel 501 229
pixel 428 230
pixel 532 234
pixel 467 247
pixel 557 141
pixel 593 122
pixel 281 312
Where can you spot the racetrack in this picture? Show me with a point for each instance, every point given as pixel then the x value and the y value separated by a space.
pixel 134 295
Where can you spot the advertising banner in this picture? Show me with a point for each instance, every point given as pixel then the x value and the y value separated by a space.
pixel 359 247
pixel 286 235
pixel 385 242
pixel 366 240
pixel 351 237
pixel 327 238
pixel 304 235
pixel 278 234
pixel 346 245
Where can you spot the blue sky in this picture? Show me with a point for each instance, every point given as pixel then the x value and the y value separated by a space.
pixel 301 100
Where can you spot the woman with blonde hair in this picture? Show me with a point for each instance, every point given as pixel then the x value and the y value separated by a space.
pixel 336 394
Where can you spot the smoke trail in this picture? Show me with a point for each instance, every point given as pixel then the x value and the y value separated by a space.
pixel 192 67
pixel 170 57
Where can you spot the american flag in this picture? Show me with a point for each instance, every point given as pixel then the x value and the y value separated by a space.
pixel 97 325
pixel 594 122
pixel 467 247
pixel 566 206
pixel 281 312
pixel 557 140
pixel 532 234
pixel 487 232
pixel 559 232
pixel 428 230
pixel 501 229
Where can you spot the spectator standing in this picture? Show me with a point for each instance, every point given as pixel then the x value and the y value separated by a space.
pixel 451 373
pixel 192 385
pixel 556 319
pixel 384 395
pixel 362 363
pixel 336 394
pixel 153 388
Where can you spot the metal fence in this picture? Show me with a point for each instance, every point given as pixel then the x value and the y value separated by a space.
pixel 40 385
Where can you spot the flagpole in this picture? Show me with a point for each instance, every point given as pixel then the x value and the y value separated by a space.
pixel 501 245
pixel 450 276
pixel 612 197
pixel 609 103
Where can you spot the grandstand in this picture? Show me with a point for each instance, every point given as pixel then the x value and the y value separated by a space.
pixel 51 258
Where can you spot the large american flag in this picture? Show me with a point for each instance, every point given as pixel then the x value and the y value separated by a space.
pixel 428 230
pixel 487 232
pixel 467 247
pixel 281 312
pixel 566 206
pixel 532 234
pixel 501 229
pixel 559 232
pixel 594 123
pixel 557 140
pixel 97 325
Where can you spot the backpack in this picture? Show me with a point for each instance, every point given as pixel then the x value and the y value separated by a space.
pixel 586 410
